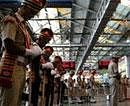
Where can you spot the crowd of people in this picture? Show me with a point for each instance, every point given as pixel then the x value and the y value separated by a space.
pixel 81 89
pixel 45 78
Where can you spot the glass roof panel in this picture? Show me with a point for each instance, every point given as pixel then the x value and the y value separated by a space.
pixel 49 18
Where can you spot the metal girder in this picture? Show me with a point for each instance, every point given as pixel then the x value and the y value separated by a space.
pixel 83 5
pixel 103 55
pixel 112 50
pixel 118 19
pixel 104 33
pixel 108 11
pixel 64 18
pixel 79 6
pixel 68 45
pixel 113 45
pixel 96 45
pixel 72 19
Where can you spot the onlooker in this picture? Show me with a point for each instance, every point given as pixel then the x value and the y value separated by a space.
pixel 114 80
pixel 17 45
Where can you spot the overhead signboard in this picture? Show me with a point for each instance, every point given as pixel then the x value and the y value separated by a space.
pixel 69 65
pixel 103 64
pixel 59 3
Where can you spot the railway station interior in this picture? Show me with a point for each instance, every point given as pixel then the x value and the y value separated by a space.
pixel 87 36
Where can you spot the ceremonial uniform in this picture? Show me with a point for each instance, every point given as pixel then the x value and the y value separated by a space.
pixel 57 80
pixel 17 47
pixel 44 38
pixel 47 79
pixel 13 60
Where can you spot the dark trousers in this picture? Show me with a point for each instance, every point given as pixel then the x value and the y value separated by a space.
pixel 35 92
pixel 49 92
pixel 62 92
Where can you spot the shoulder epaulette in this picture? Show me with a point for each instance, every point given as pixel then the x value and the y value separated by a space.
pixel 9 19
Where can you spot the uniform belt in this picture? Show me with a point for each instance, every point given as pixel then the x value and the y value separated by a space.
pixel 21 61
pixel 21 64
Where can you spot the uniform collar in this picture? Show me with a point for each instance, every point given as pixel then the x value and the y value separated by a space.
pixel 19 17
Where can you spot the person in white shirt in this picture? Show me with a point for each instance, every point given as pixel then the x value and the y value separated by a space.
pixel 114 80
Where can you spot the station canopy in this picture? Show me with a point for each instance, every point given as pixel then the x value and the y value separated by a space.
pixel 85 31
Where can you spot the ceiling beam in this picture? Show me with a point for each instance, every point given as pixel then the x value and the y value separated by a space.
pixel 104 33
pixel 67 45
pixel 111 50
pixel 84 8
pixel 113 45
pixel 108 10
pixel 72 19
pixel 96 45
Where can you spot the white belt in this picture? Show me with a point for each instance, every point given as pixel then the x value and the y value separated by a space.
pixel 21 59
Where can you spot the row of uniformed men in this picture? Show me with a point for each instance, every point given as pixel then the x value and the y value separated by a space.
pixel 19 50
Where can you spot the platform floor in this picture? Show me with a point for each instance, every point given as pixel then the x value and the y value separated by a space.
pixel 100 101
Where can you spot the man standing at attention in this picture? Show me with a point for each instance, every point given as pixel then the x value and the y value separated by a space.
pixel 44 38
pixel 17 48
pixel 114 80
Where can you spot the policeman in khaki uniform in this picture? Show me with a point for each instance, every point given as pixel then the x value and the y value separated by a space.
pixel 59 69
pixel 44 38
pixel 47 78
pixel 114 80
pixel 17 47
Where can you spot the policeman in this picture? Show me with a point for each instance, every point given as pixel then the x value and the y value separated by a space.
pixel 44 38
pixel 47 78
pixel 17 46
pixel 114 81
pixel 58 64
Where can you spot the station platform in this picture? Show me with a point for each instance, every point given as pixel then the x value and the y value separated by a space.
pixel 100 101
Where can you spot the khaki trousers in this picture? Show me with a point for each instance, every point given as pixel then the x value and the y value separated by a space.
pixel 13 96
pixel 114 87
